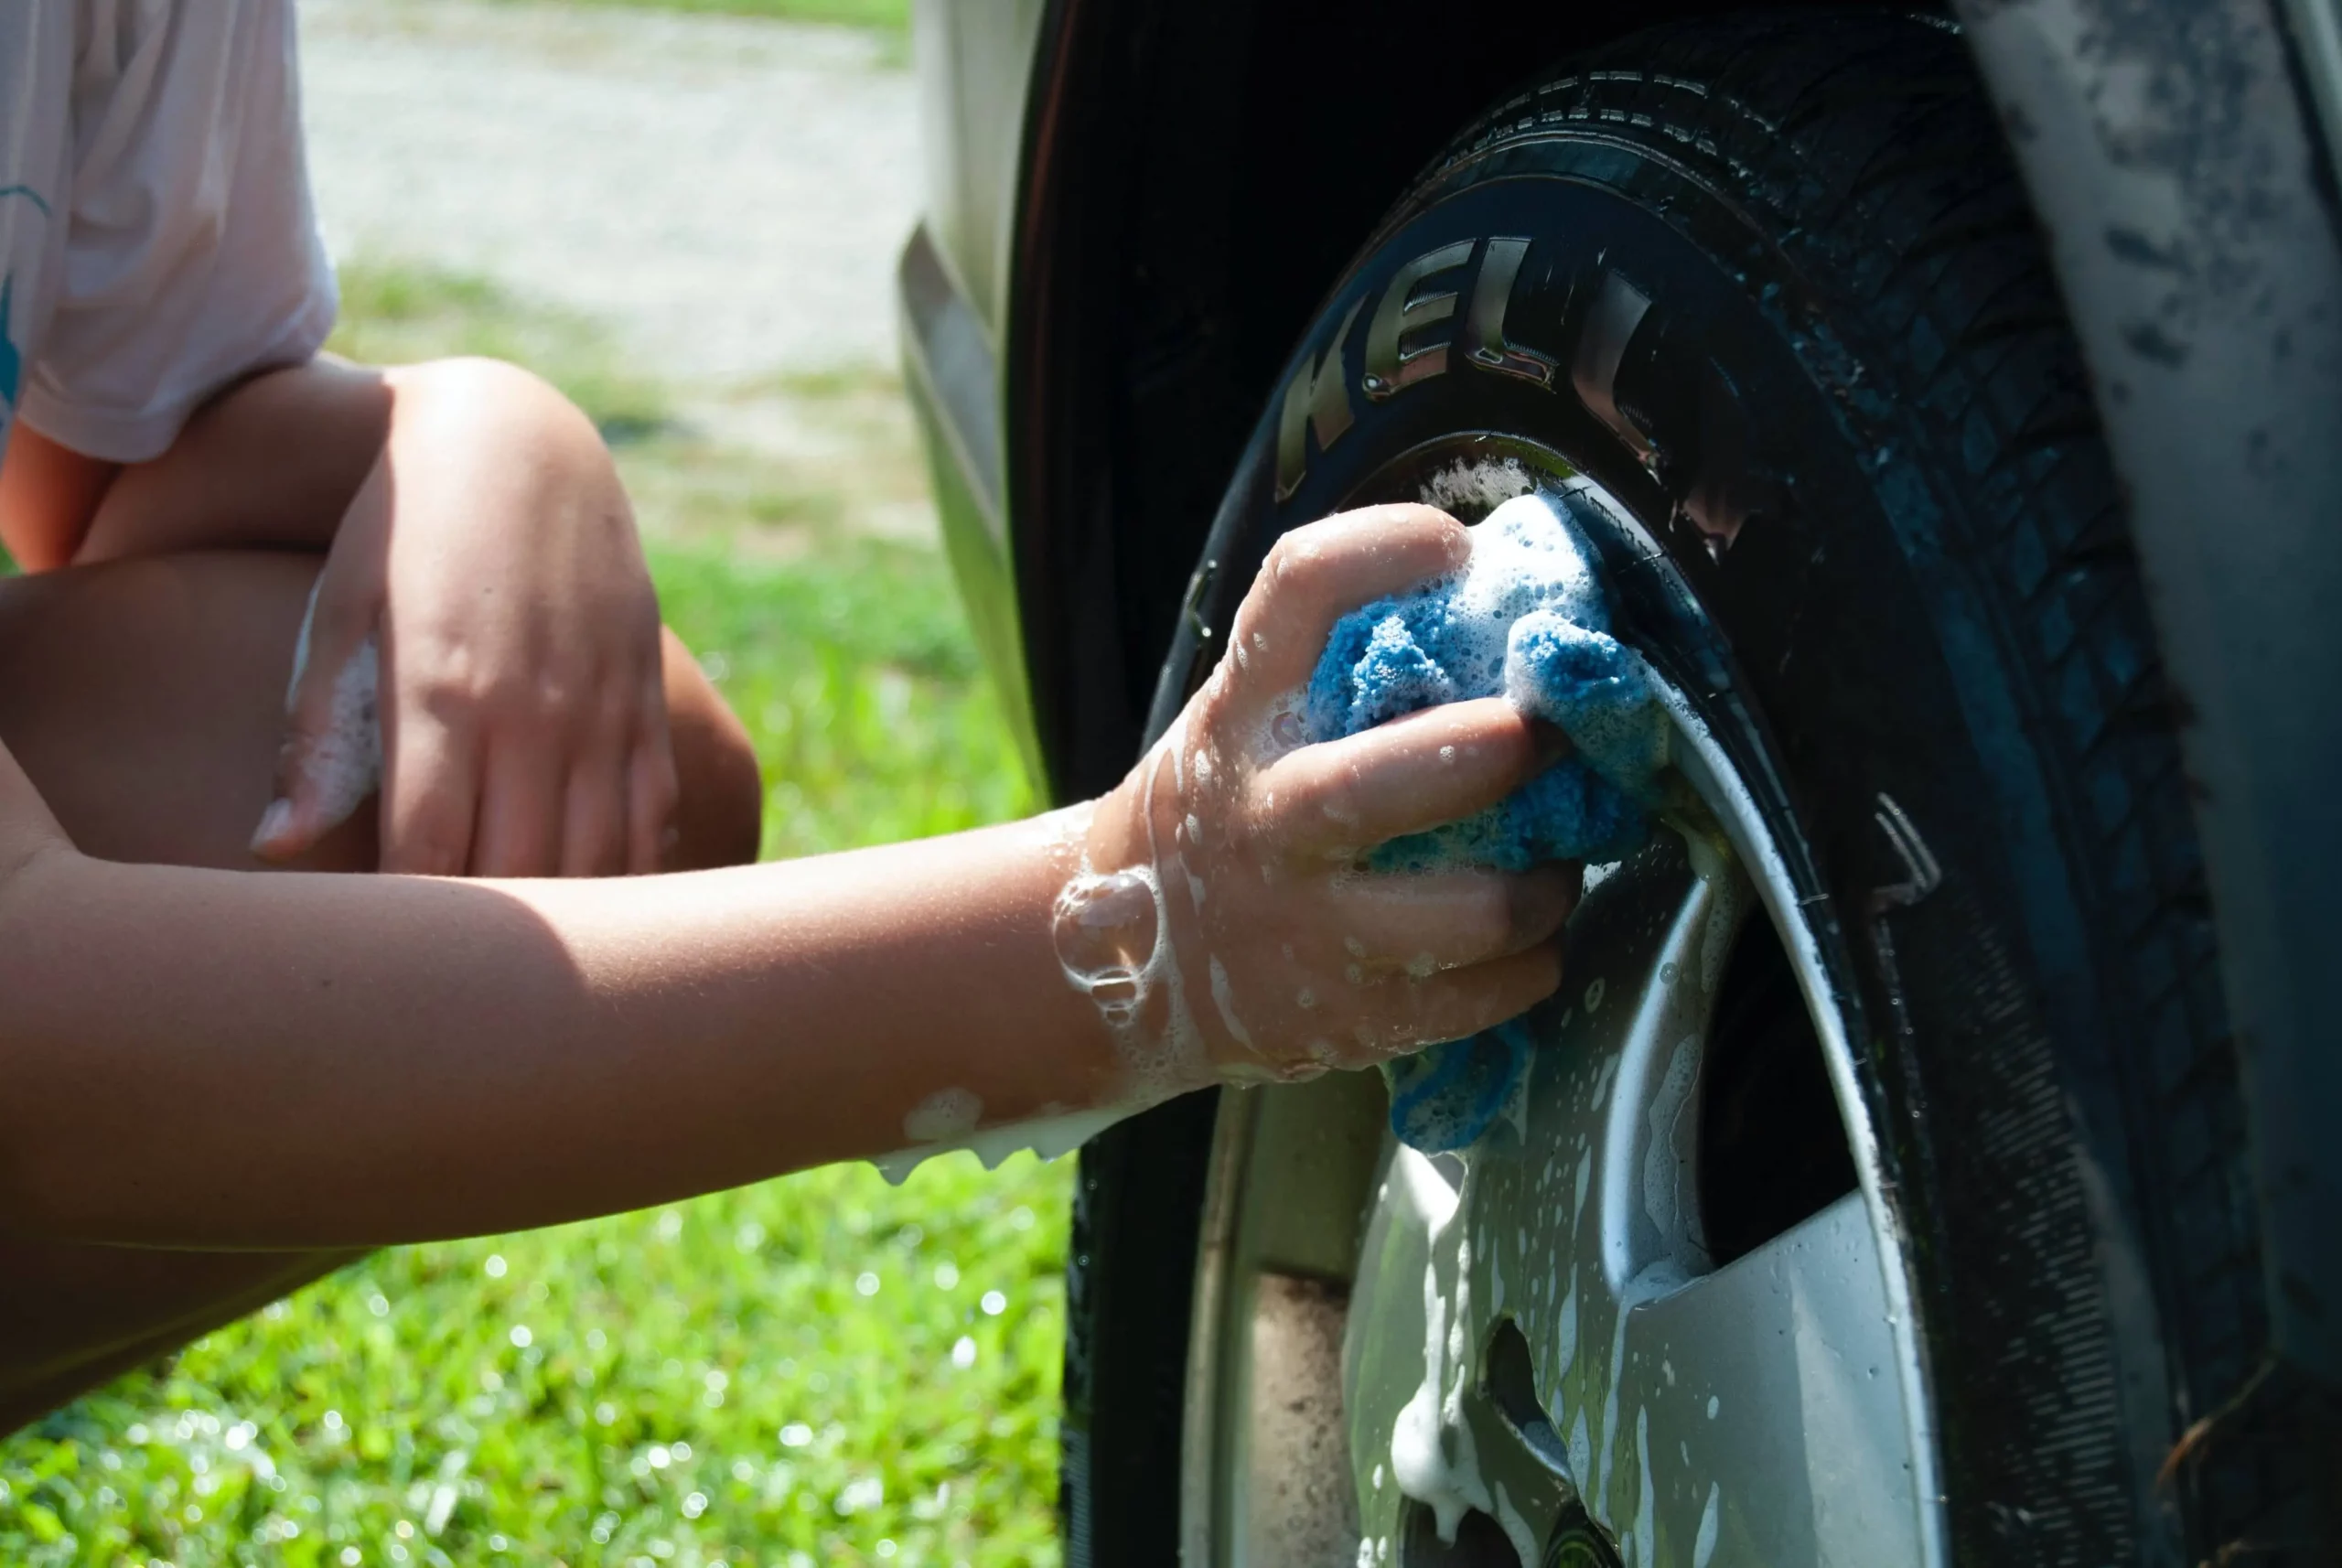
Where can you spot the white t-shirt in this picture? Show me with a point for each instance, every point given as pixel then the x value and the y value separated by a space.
pixel 156 236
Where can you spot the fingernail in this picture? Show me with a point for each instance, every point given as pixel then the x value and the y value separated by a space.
pixel 1552 743
pixel 273 823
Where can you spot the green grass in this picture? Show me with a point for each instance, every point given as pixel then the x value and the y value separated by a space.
pixel 707 1383
pixel 700 1384
pixel 853 671
pixel 394 313
pixel 884 15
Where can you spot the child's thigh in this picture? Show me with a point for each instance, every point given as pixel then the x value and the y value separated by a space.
pixel 145 699
pixel 74 1317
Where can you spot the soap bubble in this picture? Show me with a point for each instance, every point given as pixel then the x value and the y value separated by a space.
pixel 1105 930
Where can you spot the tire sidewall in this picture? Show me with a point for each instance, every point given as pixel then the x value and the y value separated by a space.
pixel 1845 653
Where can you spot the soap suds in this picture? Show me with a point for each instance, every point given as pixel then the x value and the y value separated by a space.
pixel 1665 1165
pixel 1107 931
pixel 343 764
pixel 1048 1136
pixel 1515 1527
pixel 1704 1545
pixel 1647 1495
pixel 1432 1458
pixel 1224 998
pixel 947 1113
pixel 1464 486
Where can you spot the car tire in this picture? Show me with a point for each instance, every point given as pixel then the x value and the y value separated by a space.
pixel 1773 287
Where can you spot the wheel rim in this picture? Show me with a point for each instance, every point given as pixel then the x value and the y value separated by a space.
pixel 1611 1334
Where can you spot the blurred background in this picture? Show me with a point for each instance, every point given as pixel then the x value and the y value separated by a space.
pixel 685 213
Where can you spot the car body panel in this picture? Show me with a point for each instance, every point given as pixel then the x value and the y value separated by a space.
pixel 973 59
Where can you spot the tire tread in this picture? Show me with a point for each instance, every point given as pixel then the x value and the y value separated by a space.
pixel 1871 143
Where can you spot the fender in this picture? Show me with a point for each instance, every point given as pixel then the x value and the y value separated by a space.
pixel 2189 197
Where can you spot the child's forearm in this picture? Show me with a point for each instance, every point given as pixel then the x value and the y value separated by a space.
pixel 209 1058
pixel 205 1058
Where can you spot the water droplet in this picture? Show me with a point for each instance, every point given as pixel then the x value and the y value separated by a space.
pixel 994 1303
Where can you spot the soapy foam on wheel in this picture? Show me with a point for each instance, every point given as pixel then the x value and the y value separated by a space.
pixel 1435 1459
pixel 1464 486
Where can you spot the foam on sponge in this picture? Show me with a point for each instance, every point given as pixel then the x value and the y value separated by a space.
pixel 1526 619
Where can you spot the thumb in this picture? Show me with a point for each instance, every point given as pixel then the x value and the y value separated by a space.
pixel 332 757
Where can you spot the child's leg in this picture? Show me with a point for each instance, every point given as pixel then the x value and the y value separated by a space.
pixel 146 701
pixel 75 1318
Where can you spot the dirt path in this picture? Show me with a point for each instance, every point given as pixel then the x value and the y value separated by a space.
pixel 727 196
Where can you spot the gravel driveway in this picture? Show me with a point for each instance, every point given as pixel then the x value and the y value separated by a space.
pixel 727 196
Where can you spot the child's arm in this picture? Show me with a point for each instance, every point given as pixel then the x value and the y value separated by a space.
pixel 204 1059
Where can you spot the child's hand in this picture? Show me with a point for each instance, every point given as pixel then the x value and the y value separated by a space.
pixel 491 558
pixel 1222 922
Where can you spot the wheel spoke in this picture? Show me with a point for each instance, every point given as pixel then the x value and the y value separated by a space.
pixel 1539 1334
pixel 1756 1409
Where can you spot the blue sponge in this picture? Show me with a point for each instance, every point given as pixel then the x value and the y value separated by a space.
pixel 1525 620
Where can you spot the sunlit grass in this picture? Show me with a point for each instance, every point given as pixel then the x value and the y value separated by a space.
pixel 797 1373
pixel 884 15
pixel 813 1366
pixel 853 671
pixel 394 313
